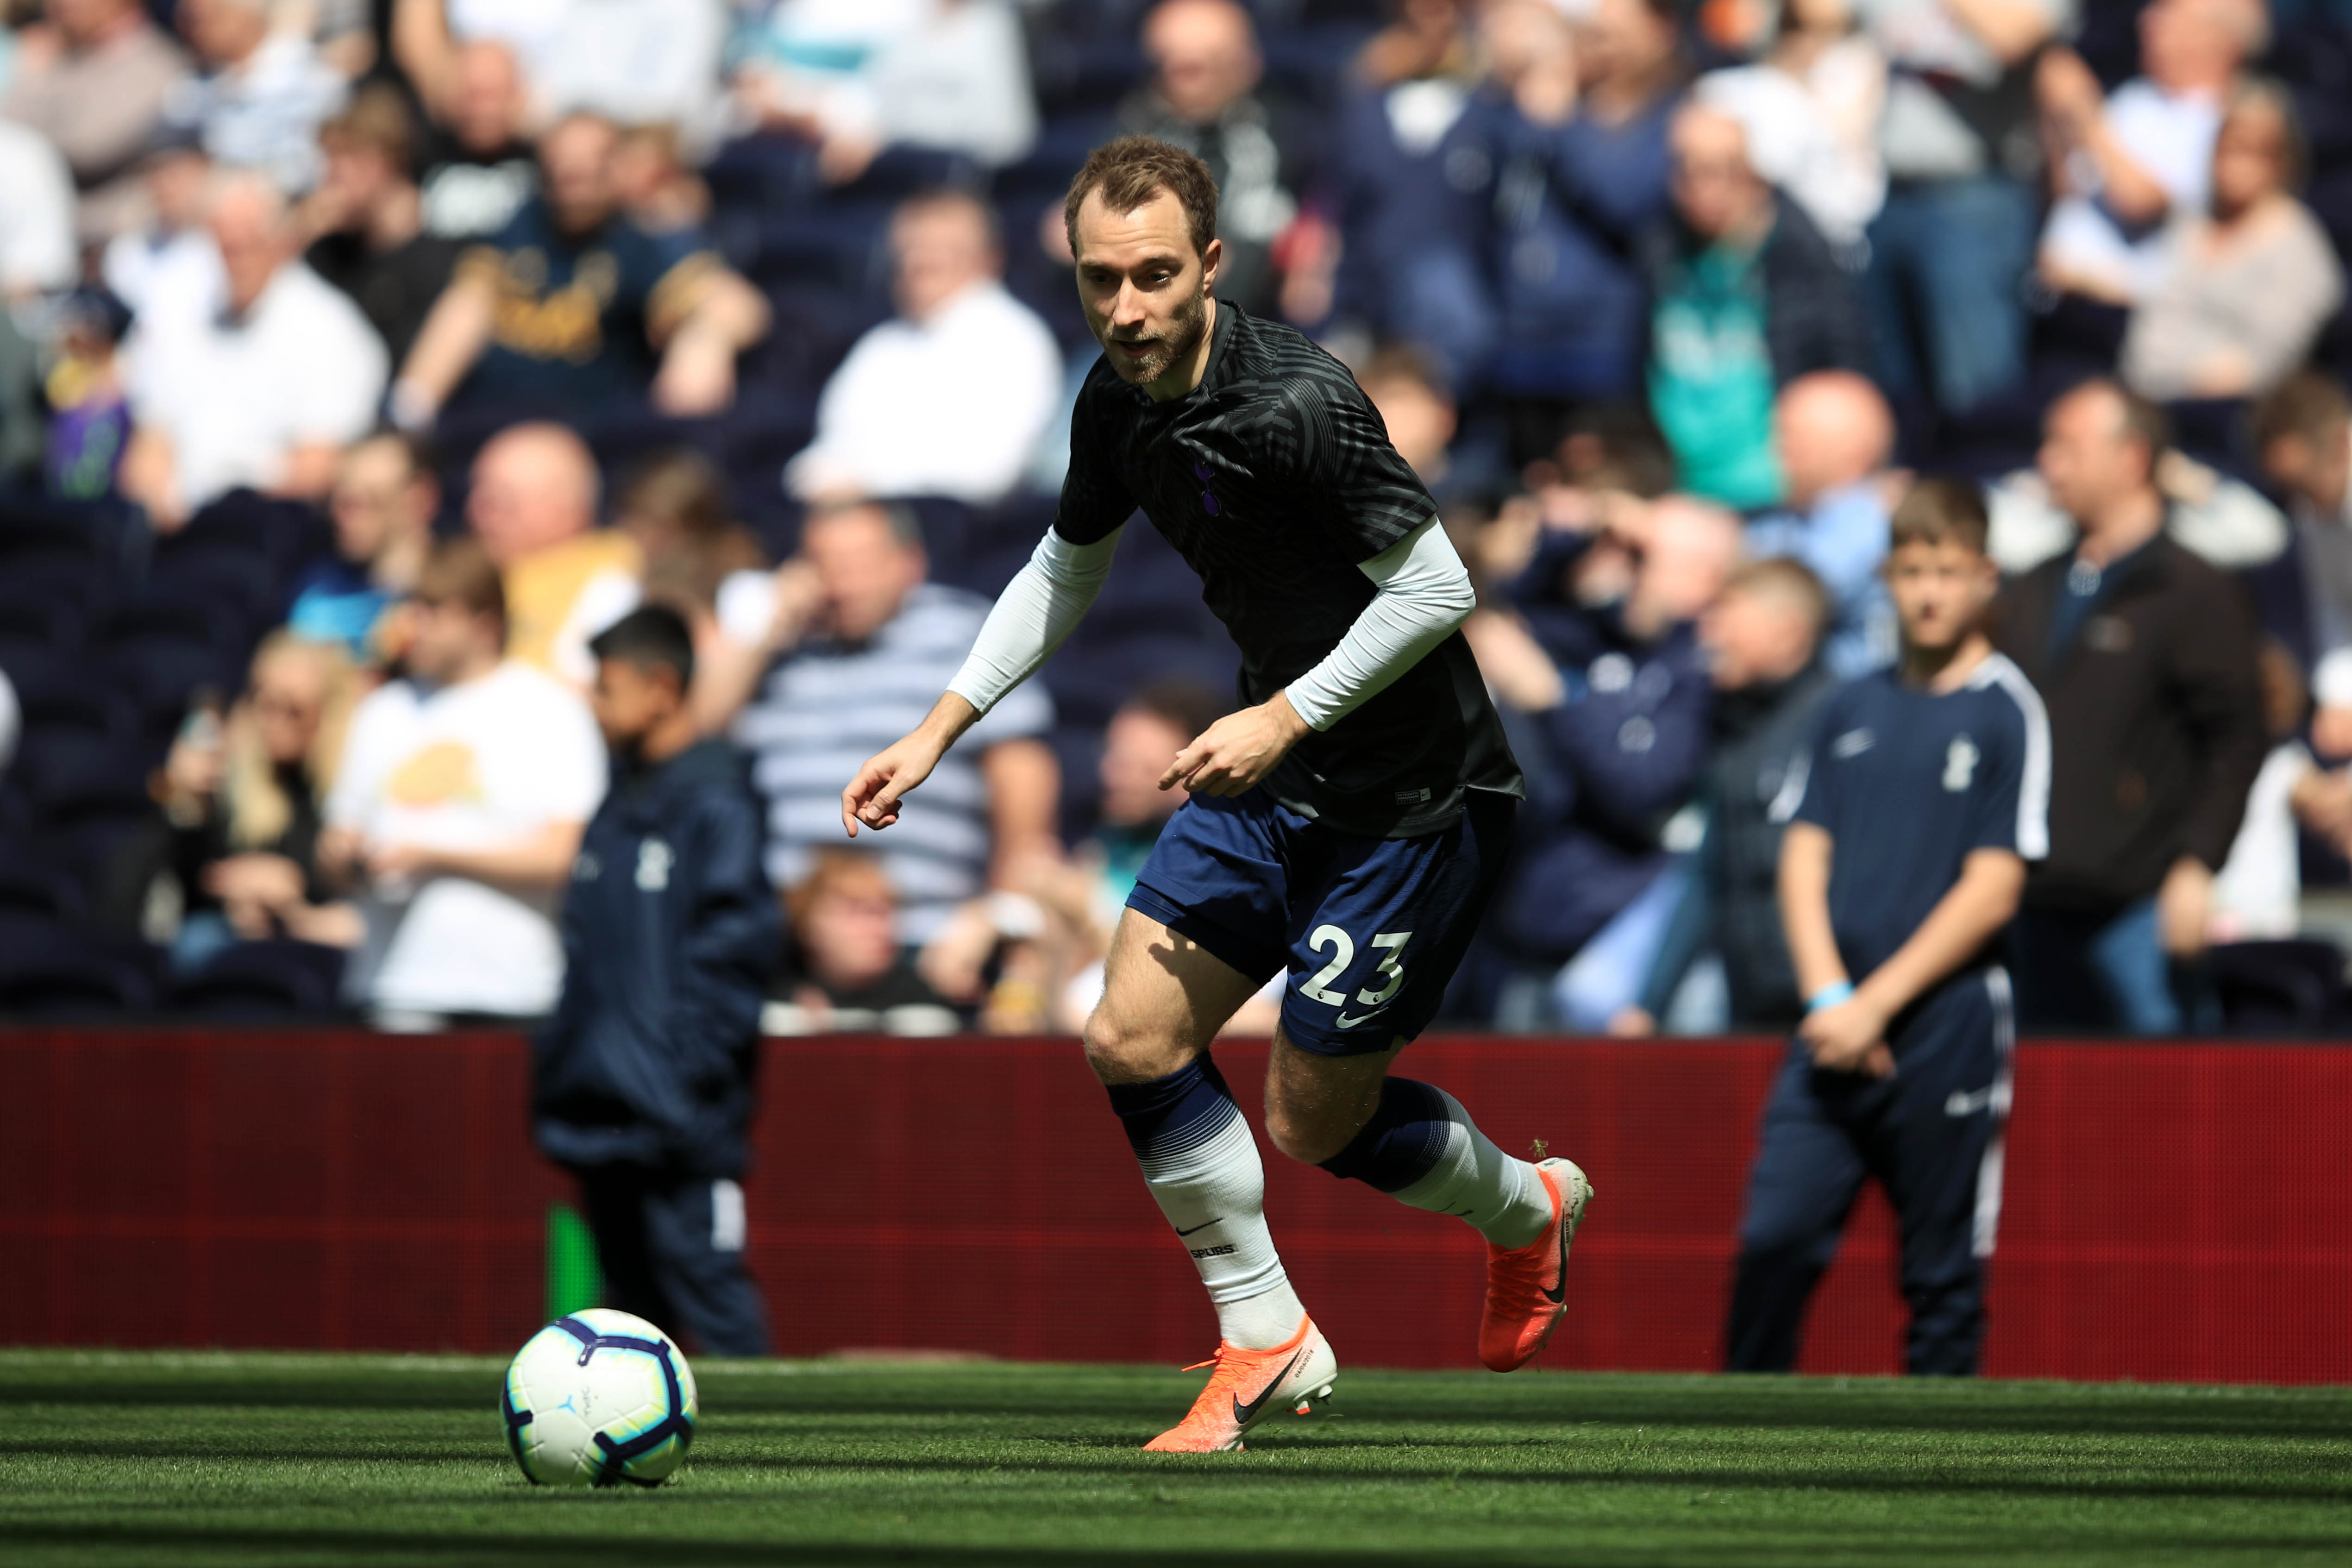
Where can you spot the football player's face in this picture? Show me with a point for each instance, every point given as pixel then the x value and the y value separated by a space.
pixel 1144 289
pixel 1940 592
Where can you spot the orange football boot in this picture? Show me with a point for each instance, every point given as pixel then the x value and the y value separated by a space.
pixel 1527 1287
pixel 1247 1387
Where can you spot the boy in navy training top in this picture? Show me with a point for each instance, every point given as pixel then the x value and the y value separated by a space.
pixel 1926 792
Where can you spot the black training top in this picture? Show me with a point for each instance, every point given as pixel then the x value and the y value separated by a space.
pixel 1275 479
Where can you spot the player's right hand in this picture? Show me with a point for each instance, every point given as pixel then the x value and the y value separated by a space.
pixel 874 795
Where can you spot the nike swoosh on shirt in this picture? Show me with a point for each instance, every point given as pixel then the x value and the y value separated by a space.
pixel 1244 1414
pixel 1202 1226
pixel 1348 1023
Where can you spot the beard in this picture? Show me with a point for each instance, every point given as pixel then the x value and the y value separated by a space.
pixel 1171 347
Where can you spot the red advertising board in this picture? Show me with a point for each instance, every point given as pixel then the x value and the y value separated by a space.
pixel 2174 1211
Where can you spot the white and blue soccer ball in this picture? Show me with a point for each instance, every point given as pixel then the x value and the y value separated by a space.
pixel 597 1399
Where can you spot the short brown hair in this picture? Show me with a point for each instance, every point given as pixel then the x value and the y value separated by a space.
pixel 2308 406
pixel 1941 511
pixel 2142 420
pixel 1790 581
pixel 1131 170
pixel 1182 705
pixel 460 572
pixel 376 120
pixel 837 869
pixel 678 492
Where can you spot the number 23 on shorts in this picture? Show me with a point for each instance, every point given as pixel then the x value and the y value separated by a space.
pixel 1343 946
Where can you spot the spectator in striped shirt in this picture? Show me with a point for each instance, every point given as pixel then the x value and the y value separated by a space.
pixel 856 646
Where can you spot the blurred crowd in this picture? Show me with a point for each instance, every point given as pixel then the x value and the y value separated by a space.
pixel 362 360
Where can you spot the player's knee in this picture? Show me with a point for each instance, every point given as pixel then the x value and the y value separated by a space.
pixel 1309 1134
pixel 1120 1050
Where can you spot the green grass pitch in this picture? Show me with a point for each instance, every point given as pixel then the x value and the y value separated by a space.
pixel 186 1460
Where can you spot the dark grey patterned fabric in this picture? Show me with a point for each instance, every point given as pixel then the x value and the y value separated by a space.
pixel 1275 479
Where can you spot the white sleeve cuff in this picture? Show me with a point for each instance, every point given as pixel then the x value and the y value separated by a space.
pixel 1424 592
pixel 1037 610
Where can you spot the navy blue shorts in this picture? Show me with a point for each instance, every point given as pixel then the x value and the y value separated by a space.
pixel 1371 929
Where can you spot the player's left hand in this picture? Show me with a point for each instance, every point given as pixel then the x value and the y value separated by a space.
pixel 1848 1037
pixel 1233 753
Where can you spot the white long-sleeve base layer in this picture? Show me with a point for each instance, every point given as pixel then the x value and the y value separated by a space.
pixel 1422 594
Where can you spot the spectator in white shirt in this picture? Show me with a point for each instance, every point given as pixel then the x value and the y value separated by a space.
pixel 855 76
pixel 902 417
pixel 634 62
pixel 167 269
pixel 457 812
pixel 265 392
pixel 1811 111
pixel 263 94
pixel 37 215
pixel 2127 164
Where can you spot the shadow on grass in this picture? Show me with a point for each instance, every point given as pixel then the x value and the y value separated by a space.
pixel 1732 1402
pixel 1330 1463
pixel 318 1546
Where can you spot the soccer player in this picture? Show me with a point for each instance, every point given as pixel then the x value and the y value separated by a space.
pixel 1926 792
pixel 1347 826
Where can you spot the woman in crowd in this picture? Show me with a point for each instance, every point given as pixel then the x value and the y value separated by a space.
pixel 232 855
pixel 2245 293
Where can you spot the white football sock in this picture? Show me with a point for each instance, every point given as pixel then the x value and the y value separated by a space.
pixel 1262 1322
pixel 1212 1186
pixel 1501 1198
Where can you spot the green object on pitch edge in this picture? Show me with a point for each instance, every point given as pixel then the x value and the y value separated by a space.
pixel 573 1279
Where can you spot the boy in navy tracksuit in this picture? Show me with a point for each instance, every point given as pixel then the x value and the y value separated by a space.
pixel 642 1082
pixel 1927 793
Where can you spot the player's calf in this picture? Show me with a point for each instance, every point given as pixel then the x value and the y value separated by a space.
pixel 1317 1105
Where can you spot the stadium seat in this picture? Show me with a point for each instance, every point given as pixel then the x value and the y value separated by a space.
pixel 29 664
pixel 262 979
pixel 1074 75
pixel 32 889
pixel 39 620
pixel 290 533
pixel 160 649
pixel 70 695
pixel 63 978
pixel 40 534
pixel 74 581
pixel 2293 987
pixel 244 580
pixel 86 800
pixel 899 172
pixel 1061 148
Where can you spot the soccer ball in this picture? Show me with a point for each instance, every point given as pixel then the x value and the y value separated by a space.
pixel 599 1398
